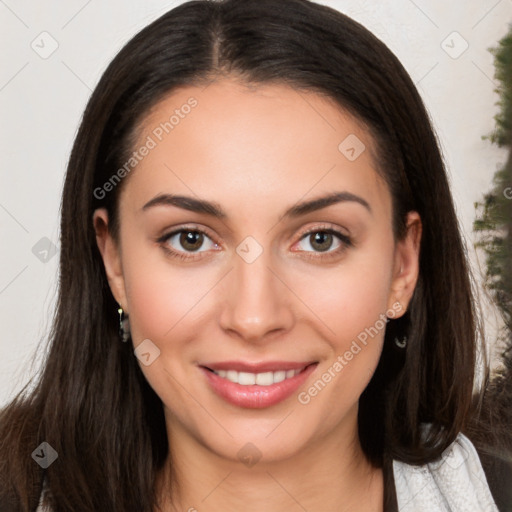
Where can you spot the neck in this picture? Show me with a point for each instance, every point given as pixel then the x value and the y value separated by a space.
pixel 330 474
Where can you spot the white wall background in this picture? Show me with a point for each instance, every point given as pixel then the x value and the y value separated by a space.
pixel 42 99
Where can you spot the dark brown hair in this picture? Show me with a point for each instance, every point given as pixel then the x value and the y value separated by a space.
pixel 92 403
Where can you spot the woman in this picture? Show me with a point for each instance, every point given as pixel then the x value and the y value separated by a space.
pixel 256 189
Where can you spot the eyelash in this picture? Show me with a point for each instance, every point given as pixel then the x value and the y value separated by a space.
pixel 191 256
pixel 345 241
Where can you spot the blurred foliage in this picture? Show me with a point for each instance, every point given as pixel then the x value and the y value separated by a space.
pixel 493 228
pixel 493 224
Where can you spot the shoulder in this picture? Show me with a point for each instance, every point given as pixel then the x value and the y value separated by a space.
pixel 456 482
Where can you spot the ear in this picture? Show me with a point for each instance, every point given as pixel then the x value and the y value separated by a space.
pixel 406 265
pixel 110 252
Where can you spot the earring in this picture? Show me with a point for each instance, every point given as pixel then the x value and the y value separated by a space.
pixel 397 331
pixel 401 342
pixel 124 325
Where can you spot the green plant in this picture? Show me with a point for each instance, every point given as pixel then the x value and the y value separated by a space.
pixel 493 224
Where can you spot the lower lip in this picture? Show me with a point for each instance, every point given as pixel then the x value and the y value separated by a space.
pixel 254 396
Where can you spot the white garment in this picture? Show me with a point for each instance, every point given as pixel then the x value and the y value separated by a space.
pixel 456 483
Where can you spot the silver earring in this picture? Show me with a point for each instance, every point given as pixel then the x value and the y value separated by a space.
pixel 124 325
pixel 401 342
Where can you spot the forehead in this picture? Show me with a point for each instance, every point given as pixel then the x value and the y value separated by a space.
pixel 233 142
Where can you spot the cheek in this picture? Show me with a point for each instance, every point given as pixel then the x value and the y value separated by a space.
pixel 165 306
pixel 351 297
pixel 351 301
pixel 162 295
pixel 362 299
pixel 153 304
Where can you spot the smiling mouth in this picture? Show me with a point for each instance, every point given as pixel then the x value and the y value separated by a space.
pixel 266 378
pixel 266 385
pixel 260 379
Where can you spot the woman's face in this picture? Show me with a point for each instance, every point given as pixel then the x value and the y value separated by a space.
pixel 229 260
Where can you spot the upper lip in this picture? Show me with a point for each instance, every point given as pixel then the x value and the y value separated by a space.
pixel 252 367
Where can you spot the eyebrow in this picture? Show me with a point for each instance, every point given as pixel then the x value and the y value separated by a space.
pixel 215 210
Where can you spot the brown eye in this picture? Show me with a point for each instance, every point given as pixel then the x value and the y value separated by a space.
pixel 321 240
pixel 186 241
pixel 191 240
pixel 323 243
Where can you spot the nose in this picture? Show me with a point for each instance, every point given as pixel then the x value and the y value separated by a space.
pixel 258 302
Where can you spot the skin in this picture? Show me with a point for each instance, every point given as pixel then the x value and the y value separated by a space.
pixel 257 151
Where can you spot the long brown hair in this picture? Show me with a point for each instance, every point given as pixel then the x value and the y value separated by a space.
pixel 92 404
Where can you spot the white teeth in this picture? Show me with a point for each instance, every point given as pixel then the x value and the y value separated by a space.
pixel 232 375
pixel 265 379
pixel 261 379
pixel 246 379
pixel 279 376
